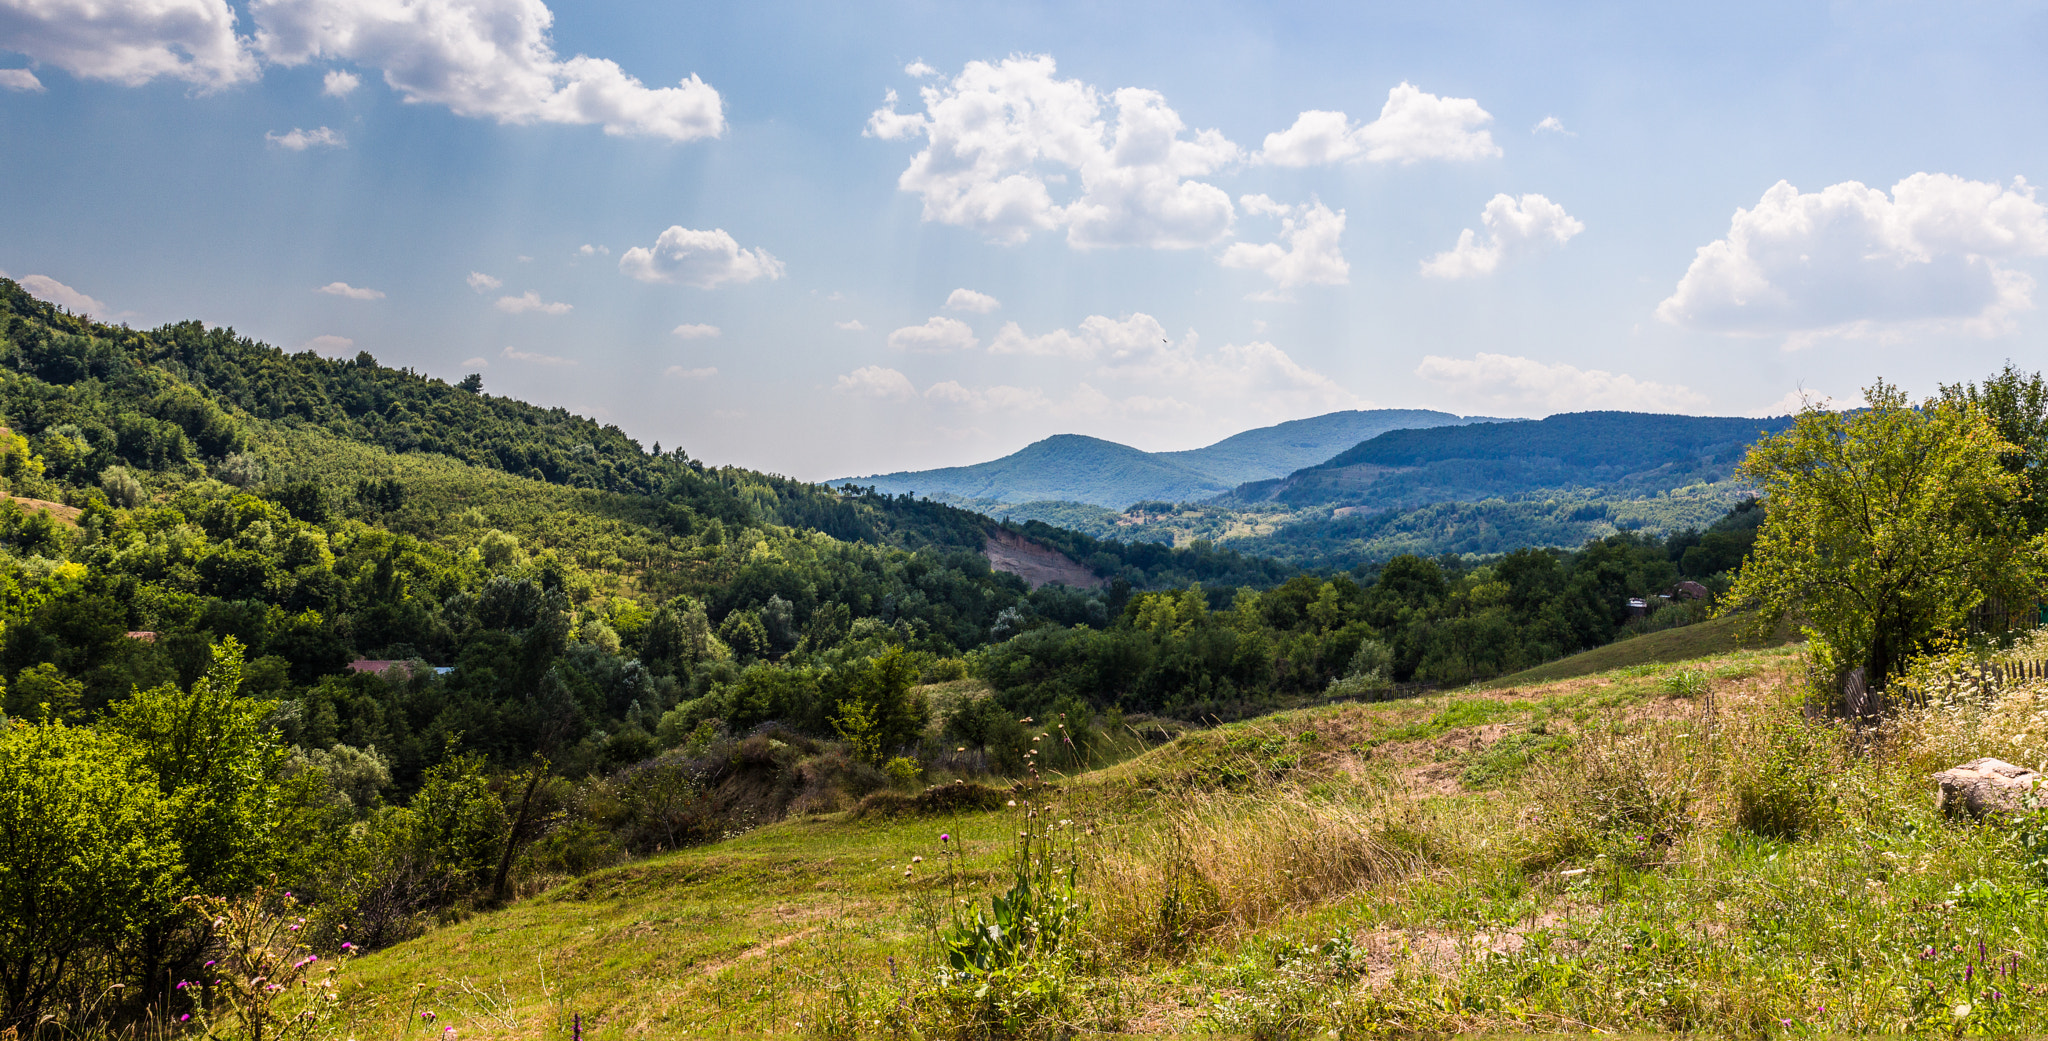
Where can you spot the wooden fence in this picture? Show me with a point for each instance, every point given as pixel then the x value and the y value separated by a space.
pixel 1861 703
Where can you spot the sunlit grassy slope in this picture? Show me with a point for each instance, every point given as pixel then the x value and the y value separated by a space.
pixel 1550 857
pixel 1715 636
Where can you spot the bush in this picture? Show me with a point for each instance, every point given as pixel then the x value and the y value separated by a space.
pixel 1782 786
pixel 1629 797
pixel 122 488
pixel 903 772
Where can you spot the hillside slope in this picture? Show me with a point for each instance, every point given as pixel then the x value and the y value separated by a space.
pixel 1064 467
pixel 1079 469
pixel 1283 448
pixel 1619 452
pixel 1353 864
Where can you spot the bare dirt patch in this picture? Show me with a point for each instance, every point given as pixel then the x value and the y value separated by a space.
pixel 1039 565
pixel 57 510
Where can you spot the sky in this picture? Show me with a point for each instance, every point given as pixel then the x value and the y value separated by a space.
pixel 832 240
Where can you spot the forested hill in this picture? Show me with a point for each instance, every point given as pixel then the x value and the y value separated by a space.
pixel 1625 452
pixel 1077 469
pixel 321 511
pixel 1061 468
pixel 123 391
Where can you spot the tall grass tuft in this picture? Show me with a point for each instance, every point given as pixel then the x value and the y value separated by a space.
pixel 1222 861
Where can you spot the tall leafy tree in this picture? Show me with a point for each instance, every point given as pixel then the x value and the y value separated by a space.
pixel 2017 405
pixel 86 849
pixel 1886 526
pixel 215 764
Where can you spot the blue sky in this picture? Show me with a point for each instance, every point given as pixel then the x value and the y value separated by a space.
pixel 1171 222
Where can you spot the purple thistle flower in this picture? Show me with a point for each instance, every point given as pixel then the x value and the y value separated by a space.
pixel 944 837
pixel 209 965
pixel 186 1018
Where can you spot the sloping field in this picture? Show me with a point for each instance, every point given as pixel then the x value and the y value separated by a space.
pixel 1653 849
pixel 1714 636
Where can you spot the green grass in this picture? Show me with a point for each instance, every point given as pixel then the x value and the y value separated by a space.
pixel 1555 860
pixel 1715 636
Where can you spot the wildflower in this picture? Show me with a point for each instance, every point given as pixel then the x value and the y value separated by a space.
pixel 348 946
pixel 208 965
pixel 1012 802
pixel 945 837
pixel 182 984
pixel 428 1015
pixel 917 860
pixel 186 1018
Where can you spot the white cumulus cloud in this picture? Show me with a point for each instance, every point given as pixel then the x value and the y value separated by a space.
pixel 1514 227
pixel 1553 125
pixel 1000 136
pixel 530 302
pixel 588 250
pixel 938 335
pixel 697 332
pixel 339 83
pixel 705 259
pixel 998 398
pixel 331 346
pixel 1169 377
pixel 851 325
pixel 351 292
pixel 483 283
pixel 1412 126
pixel 1507 383
pixel 537 359
pixel 47 288
pixel 491 59
pixel 298 140
pixel 20 79
pixel 131 43
pixel 1851 261
pixel 919 70
pixel 1307 253
pixel 969 300
pixel 876 382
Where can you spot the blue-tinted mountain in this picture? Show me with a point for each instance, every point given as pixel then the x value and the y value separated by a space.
pixel 1610 452
pixel 1076 468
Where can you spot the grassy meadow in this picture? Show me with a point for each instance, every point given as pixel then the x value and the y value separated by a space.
pixel 1661 847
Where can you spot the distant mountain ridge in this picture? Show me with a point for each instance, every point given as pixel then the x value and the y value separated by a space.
pixel 1078 468
pixel 1625 452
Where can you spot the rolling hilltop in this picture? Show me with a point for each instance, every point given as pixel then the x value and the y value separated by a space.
pixel 1629 453
pixel 1078 469
pixel 1477 487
